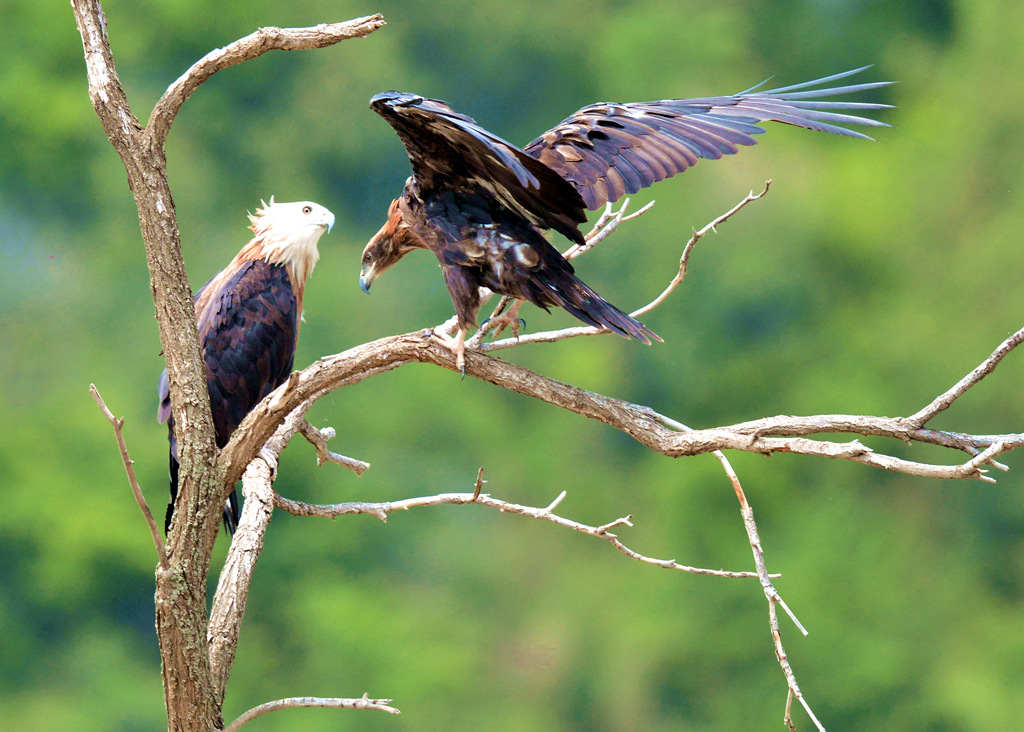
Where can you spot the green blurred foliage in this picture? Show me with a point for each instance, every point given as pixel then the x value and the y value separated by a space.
pixel 872 277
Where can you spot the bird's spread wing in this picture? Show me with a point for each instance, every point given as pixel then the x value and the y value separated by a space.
pixel 609 150
pixel 448 149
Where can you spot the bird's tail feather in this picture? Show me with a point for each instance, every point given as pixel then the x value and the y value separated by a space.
pixel 564 289
pixel 231 508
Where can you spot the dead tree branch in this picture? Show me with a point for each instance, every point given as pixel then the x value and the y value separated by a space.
pixel 229 601
pixel 684 260
pixel 764 436
pixel 771 594
pixel 608 222
pixel 364 702
pixel 946 399
pixel 383 510
pixel 318 439
pixel 129 468
pixel 245 49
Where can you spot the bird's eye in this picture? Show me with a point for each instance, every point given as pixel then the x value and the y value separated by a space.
pixel 366 258
pixel 307 209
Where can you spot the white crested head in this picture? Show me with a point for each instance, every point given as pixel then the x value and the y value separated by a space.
pixel 287 233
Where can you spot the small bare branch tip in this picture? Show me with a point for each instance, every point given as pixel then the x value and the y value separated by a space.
pixel 946 399
pixel 624 521
pixel 639 212
pixel 363 702
pixel 791 615
pixel 479 484
pixel 558 499
pixel 318 439
pixel 140 499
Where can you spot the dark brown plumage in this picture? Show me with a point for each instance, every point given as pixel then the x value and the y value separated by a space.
pixel 248 319
pixel 481 204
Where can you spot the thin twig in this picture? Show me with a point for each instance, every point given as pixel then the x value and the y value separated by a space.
pixel 118 424
pixel 771 594
pixel 943 401
pixel 364 702
pixel 318 439
pixel 688 249
pixel 382 510
pixel 605 227
pixel 607 224
pixel 479 485
pixel 774 598
pixel 547 336
pixel 755 539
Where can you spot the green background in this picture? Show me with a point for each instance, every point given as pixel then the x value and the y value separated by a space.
pixel 872 277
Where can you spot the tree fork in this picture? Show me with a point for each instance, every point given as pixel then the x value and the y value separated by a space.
pixel 181 616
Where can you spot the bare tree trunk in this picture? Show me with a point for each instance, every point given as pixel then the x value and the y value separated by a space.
pixel 181 615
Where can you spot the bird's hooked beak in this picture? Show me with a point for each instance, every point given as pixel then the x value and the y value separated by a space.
pixel 366 277
pixel 375 251
pixel 325 219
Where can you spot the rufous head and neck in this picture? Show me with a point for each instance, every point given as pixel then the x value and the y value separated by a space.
pixel 395 239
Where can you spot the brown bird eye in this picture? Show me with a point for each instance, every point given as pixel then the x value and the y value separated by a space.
pixel 307 209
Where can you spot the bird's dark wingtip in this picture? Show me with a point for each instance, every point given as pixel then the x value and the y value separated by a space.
pixel 393 99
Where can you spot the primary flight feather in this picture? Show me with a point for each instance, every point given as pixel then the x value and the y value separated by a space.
pixel 481 204
pixel 248 318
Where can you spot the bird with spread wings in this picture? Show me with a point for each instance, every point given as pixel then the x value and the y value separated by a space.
pixel 482 205
pixel 248 317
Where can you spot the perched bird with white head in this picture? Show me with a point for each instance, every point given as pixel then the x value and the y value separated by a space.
pixel 248 317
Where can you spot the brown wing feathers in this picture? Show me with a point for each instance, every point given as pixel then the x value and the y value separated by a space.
pixel 248 319
pixel 449 150
pixel 609 150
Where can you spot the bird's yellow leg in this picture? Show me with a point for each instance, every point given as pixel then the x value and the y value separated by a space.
pixel 456 345
pixel 509 318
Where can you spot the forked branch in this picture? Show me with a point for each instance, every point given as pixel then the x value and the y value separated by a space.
pixel 782 433
pixel 382 510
